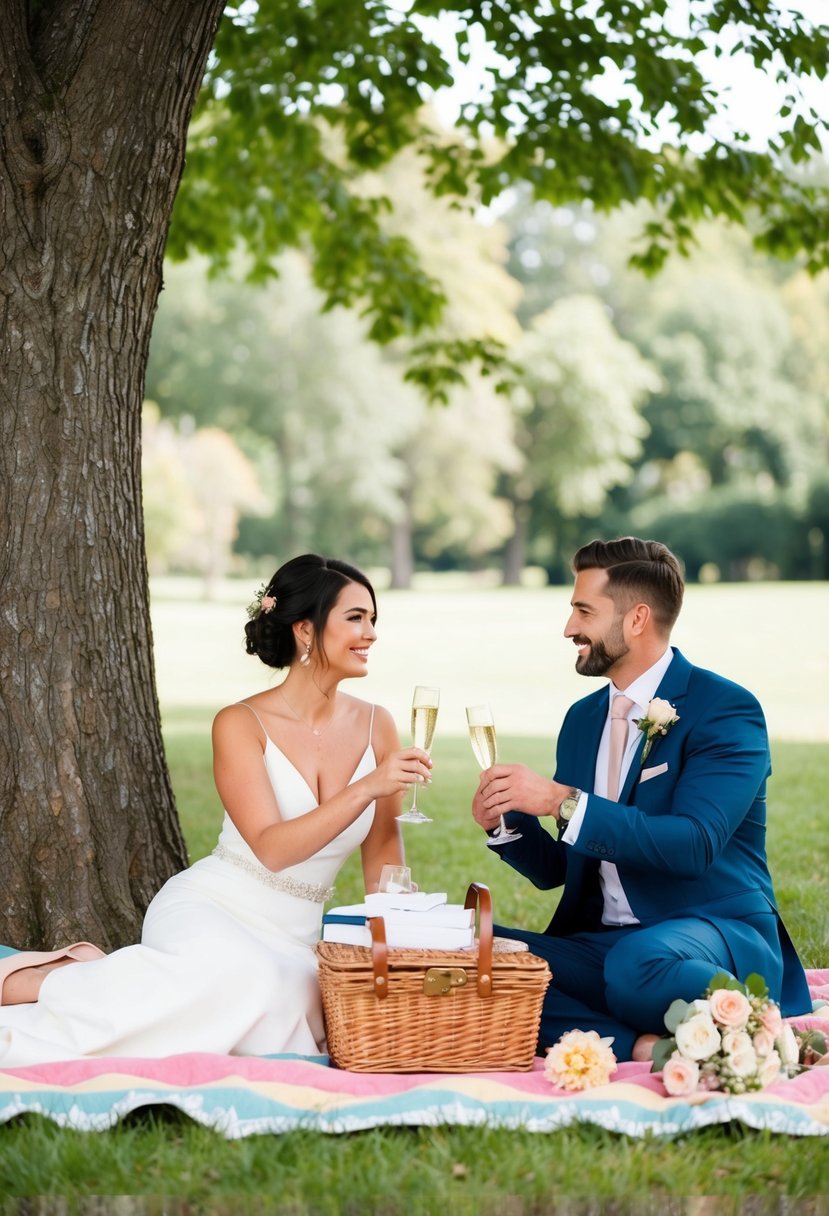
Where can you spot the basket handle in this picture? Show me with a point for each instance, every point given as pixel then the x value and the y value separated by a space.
pixel 379 957
pixel 478 896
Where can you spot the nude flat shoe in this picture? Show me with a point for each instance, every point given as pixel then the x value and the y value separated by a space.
pixel 83 952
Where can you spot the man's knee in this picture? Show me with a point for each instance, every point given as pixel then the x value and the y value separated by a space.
pixel 646 971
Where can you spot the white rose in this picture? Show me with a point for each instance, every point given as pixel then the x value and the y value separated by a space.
pixel 697 1037
pixel 788 1047
pixel 736 1040
pixel 661 713
pixel 769 1069
pixel 740 1056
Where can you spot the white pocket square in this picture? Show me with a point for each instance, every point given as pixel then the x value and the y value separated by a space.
pixel 647 773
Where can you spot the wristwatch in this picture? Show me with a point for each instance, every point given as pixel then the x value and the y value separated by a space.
pixel 568 807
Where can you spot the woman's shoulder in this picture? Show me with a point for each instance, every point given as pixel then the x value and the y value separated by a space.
pixel 379 717
pixel 239 718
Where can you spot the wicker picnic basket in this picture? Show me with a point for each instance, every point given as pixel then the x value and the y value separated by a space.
pixel 432 1010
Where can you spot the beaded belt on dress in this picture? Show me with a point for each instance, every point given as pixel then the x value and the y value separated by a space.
pixel 281 882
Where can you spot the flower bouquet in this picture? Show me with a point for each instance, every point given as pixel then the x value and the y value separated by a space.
pixel 732 1039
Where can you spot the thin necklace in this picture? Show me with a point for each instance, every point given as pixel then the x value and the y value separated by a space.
pixel 304 721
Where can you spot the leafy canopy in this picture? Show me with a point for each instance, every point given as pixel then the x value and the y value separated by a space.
pixel 607 101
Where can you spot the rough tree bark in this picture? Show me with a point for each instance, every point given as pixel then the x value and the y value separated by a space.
pixel 95 99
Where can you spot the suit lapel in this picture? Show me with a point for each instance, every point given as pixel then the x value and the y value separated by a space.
pixel 673 687
pixel 589 737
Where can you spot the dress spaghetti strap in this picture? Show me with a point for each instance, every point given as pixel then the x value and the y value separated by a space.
pixel 371 726
pixel 258 719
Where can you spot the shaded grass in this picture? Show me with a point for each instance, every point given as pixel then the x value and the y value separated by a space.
pixel 180 1167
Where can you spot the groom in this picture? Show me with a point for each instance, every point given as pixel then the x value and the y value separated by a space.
pixel 654 824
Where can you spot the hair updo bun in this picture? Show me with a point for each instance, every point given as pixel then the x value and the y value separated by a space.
pixel 304 589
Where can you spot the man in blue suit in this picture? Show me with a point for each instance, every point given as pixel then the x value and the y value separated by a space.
pixel 669 884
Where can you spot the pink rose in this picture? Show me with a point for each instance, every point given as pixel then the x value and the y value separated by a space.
pixel 680 1076
pixel 268 603
pixel 772 1020
pixel 729 1007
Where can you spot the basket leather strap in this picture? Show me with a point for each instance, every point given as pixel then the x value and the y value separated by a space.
pixel 379 956
pixel 478 896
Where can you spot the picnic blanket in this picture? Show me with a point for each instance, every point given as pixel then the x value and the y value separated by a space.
pixel 243 1095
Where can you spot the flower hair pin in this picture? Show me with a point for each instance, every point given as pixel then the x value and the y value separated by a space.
pixel 659 717
pixel 261 603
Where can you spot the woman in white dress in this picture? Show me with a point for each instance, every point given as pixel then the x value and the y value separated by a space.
pixel 306 774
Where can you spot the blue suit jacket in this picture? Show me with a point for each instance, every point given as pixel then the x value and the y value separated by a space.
pixel 688 834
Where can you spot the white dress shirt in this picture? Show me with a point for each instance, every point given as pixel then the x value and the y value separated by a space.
pixel 617 910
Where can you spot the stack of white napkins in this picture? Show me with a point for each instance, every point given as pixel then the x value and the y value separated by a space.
pixel 417 920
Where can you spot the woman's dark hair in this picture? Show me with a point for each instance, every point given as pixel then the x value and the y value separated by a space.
pixel 637 569
pixel 305 589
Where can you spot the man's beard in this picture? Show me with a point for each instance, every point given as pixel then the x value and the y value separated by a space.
pixel 603 653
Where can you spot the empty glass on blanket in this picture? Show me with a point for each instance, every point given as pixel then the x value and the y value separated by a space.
pixel 485 746
pixel 425 704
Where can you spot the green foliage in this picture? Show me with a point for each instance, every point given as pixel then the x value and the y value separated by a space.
pixel 817 522
pixel 302 97
pixel 730 533
pixel 675 1013
pixel 664 1047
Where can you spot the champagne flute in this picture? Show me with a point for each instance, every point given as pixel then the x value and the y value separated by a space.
pixel 485 746
pixel 424 719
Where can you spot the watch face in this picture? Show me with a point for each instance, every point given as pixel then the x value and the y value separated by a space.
pixel 567 808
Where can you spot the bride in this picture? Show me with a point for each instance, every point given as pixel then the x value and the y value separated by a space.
pixel 306 774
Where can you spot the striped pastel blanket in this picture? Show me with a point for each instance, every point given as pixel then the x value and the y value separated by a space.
pixel 241 1096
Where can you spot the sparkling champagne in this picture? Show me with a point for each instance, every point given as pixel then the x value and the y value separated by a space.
pixel 483 744
pixel 424 721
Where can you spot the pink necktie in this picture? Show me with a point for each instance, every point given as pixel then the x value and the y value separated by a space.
pixel 618 742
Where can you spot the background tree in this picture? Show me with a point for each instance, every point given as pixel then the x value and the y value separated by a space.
pixel 317 405
pixel 95 102
pixel 579 427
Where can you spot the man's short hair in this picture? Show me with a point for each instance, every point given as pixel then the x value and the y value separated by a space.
pixel 637 570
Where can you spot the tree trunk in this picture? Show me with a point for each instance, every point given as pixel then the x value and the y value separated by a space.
pixel 95 100
pixel 515 554
pixel 402 556
pixel 401 559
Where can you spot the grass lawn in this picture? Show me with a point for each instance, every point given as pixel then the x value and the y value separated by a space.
pixel 171 1166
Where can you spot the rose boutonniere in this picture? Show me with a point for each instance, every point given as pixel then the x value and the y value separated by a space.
pixel 659 717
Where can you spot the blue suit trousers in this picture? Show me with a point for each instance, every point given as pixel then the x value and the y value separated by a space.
pixel 620 981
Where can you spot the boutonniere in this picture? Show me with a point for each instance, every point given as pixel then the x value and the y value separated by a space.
pixel 659 717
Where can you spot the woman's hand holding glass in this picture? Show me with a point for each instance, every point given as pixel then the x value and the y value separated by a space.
pixel 400 771
pixel 425 704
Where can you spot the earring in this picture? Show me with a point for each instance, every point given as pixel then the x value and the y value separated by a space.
pixel 305 659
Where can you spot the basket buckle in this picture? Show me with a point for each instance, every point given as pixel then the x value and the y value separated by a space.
pixel 439 980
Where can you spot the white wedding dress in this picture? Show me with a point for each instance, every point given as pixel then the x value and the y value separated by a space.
pixel 226 962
